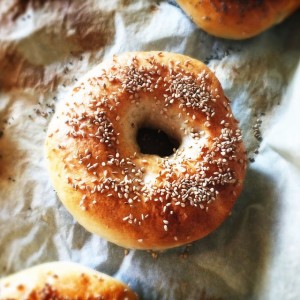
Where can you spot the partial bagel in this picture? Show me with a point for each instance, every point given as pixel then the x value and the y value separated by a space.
pixel 62 281
pixel 135 199
pixel 236 19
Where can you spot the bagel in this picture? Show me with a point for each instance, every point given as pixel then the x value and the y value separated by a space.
pixel 237 19
pixel 62 281
pixel 136 198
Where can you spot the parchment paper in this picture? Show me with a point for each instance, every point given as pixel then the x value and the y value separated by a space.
pixel 46 45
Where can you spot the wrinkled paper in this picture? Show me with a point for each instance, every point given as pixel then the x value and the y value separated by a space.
pixel 45 46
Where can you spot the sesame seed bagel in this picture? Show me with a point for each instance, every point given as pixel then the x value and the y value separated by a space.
pixel 62 281
pixel 136 199
pixel 236 19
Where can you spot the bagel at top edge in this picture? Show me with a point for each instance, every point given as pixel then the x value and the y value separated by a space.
pixel 236 19
pixel 133 199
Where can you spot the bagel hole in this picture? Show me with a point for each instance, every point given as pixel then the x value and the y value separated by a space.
pixel 155 141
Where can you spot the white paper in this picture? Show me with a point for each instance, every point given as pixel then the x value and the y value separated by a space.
pixel 255 254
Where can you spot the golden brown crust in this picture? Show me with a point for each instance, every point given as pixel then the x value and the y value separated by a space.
pixel 133 199
pixel 236 19
pixel 62 281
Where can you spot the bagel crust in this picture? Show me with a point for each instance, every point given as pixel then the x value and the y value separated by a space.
pixel 138 200
pixel 63 281
pixel 237 19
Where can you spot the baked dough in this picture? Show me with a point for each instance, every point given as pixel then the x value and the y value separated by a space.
pixel 63 281
pixel 135 199
pixel 236 19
